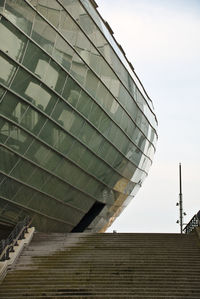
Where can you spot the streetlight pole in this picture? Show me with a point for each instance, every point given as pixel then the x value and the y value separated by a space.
pixel 180 200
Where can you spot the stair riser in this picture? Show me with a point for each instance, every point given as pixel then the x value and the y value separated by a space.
pixel 107 266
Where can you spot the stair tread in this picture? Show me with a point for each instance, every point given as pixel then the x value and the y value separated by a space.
pixel 84 265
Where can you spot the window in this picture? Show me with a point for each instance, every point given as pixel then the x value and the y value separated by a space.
pixel 7 70
pixel 12 41
pixel 21 14
pixel 43 34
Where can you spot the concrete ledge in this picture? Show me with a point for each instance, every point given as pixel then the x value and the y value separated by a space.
pixel 8 264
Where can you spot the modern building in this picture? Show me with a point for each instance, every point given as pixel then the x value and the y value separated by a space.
pixel 77 128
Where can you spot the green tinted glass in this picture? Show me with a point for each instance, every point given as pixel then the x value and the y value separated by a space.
pixel 12 41
pixel 39 60
pixel 7 70
pixel 7 160
pixel 43 34
pixel 21 15
pixel 13 107
pixel 71 91
pixel 63 53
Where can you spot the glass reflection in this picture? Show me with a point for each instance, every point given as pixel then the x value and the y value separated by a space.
pixel 12 41
pixel 7 70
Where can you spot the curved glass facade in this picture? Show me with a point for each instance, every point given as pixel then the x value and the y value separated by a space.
pixel 77 129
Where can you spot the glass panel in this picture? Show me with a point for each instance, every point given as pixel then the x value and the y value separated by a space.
pixel 12 41
pixel 4 130
pixel 68 28
pixel 7 160
pixel 50 10
pixel 104 148
pixel 18 139
pixel 91 83
pixel 76 152
pixel 83 46
pixel 105 124
pixel 33 121
pixel 12 107
pixel 125 122
pixel 74 7
pixel 85 159
pixel 95 141
pixel 49 187
pixel 79 200
pixel 71 91
pixel 120 163
pixel 23 196
pixel 77 125
pixel 109 104
pixel 86 133
pixel 43 34
pixel 64 142
pixel 95 114
pixel 38 178
pixel 84 104
pixel 130 128
pixel 119 139
pixel 39 60
pixel 7 70
pixel 22 171
pixel 50 133
pixel 118 114
pixel 123 95
pixel 9 188
pixel 78 69
pixel 55 77
pixel 106 74
pixel 2 91
pixel 37 153
pixel 111 155
pixel 20 14
pixel 92 186
pixel 65 170
pixel 93 166
pixel 43 156
pixel 64 115
pixel 2 3
pixel 101 94
pixel 95 61
pixel 113 133
pixel 74 176
pixel 25 85
pixel 31 89
pixel 63 53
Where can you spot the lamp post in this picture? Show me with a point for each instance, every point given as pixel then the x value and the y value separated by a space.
pixel 180 203
pixel 180 200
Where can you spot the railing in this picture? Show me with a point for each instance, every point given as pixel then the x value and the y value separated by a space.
pixel 18 233
pixel 194 222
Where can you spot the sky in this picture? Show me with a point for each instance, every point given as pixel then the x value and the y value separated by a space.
pixel 161 38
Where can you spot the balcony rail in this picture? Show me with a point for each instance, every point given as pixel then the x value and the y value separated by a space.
pixel 194 222
pixel 18 233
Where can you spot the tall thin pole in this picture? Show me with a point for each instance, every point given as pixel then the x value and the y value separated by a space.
pixel 180 200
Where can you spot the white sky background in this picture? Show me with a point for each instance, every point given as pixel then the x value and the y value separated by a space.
pixel 161 38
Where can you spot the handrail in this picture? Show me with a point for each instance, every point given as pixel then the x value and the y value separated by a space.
pixel 194 222
pixel 18 233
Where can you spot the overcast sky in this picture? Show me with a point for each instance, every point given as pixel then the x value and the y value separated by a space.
pixel 161 38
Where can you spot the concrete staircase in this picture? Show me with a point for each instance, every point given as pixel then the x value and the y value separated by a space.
pixel 106 266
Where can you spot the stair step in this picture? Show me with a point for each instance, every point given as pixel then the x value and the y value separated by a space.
pixel 106 266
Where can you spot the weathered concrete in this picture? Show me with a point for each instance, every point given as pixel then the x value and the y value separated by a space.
pixel 106 266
